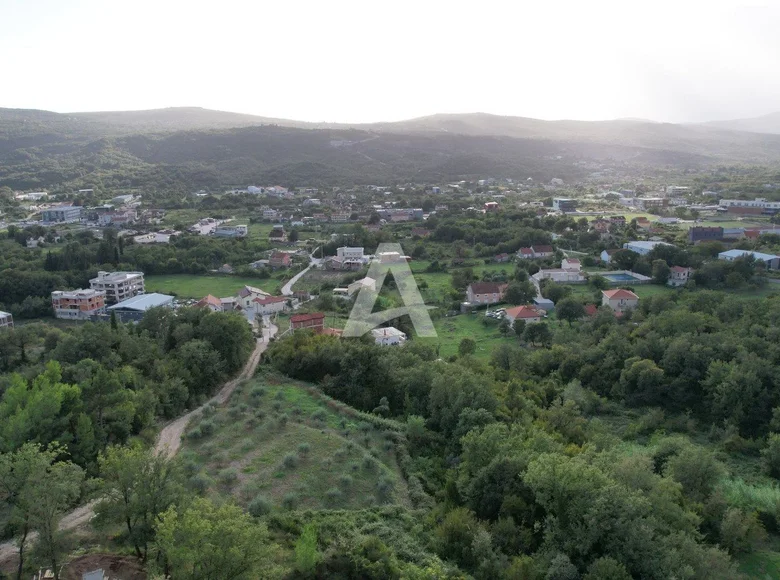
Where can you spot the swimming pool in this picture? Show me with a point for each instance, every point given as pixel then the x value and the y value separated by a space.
pixel 621 278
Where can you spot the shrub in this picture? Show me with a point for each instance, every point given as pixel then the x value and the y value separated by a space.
pixel 207 428
pixel 195 433
pixel 243 407
pixel 279 396
pixel 234 412
pixel 257 392
pixel 384 488
pixel 209 410
pixel 304 449
pixel 319 415
pixel 283 418
pixel 770 456
pixel 369 463
pixel 296 411
pixel 740 531
pixel 606 568
pixel 364 427
pixel 199 483
pixel 290 461
pixel 345 481
pixel 228 476
pixel 289 501
pixel 333 496
pixel 277 406
pixel 327 463
pixel 350 446
pixel 354 466
pixel 340 454
pixel 259 506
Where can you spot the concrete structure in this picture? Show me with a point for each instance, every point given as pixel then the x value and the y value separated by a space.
pixel 78 304
pixel 679 276
pixel 543 251
pixel 133 309
pixel 277 234
pixel 560 275
pixel 619 300
pixel 119 286
pixel 486 292
pixel 6 320
pixel 154 238
pixel 248 293
pixel 698 234
pixel 572 264
pixel 238 231
pixel 62 214
pixel 358 285
pixel 389 257
pixel 526 313
pixel 388 336
pixel 564 205
pixel 772 261
pixel 606 255
pixel 544 304
pixel 314 321
pixel 758 206
pixel 643 248
pixel 270 304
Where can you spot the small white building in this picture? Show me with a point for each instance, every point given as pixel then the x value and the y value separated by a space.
pixel 388 336
pixel 358 285
pixel 347 253
pixel 270 304
pixel 643 248
pixel 6 320
pixel 571 264
pixel 389 257
pixel 679 276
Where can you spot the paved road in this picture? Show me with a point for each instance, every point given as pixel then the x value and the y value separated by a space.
pixel 168 442
pixel 287 288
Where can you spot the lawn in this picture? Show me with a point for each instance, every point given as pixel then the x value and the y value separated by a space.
pixel 282 440
pixel 194 286
pixel 451 330
pixel 762 565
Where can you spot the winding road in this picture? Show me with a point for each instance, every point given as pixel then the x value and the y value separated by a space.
pixel 168 443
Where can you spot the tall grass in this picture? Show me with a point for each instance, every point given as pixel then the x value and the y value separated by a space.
pixel 763 498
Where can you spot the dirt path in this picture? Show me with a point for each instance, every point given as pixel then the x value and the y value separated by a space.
pixel 168 442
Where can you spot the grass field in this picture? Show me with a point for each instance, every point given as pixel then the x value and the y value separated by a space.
pixel 280 440
pixel 194 286
pixel 453 329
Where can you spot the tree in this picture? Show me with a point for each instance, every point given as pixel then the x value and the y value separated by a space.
pixel 607 568
pixel 55 489
pixel 598 282
pixel 293 236
pixel 519 325
pixel 520 292
pixel 624 259
pixel 306 554
pixel 537 332
pixel 697 470
pixel 570 309
pixel 661 272
pixel 139 486
pixel 740 531
pixel 229 335
pixel 555 292
pixel 206 541
pixel 770 455
pixel 467 346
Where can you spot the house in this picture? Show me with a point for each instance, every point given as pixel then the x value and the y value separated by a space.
pixel 238 231
pixel 542 251
pixel 6 320
pixel 133 309
pixel 679 276
pixel 339 218
pixel 572 264
pixel 270 304
pixel 277 234
pixel 643 223
pixel 314 321
pixel 118 286
pixel 389 257
pixel 559 275
pixel 606 255
pixel 347 253
pixel 388 336
pixel 643 248
pixel 501 258
pixel 225 269
pixel 257 264
pixel 247 294
pixel 270 214
pixel 78 304
pixel 358 285
pixel 619 300
pixel 485 292
pixel 279 260
pixel 771 261
pixel 229 304
pixel 525 313
pixel 544 304
pixel 336 263
pixel 491 206
pixel 211 302
pixel 525 253
pixel 64 214
pixel 564 205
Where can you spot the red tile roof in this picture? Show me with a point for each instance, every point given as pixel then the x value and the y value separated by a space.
pixel 620 293
pixel 270 300
pixel 297 318
pixel 542 249
pixel 679 269
pixel 487 287
pixel 526 251
pixel 523 312
pixel 208 301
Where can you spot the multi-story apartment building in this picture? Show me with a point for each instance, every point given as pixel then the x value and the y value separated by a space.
pixel 119 286
pixel 61 214
pixel 78 304
pixel 6 320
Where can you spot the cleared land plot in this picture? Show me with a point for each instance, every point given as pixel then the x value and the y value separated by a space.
pixel 195 286
pixel 278 439
pixel 452 330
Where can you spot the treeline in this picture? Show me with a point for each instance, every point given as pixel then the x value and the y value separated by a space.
pixel 101 384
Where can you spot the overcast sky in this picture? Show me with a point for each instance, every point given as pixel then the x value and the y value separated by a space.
pixel 371 60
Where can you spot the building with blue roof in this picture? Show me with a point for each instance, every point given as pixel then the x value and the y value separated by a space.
pixel 772 261
pixel 133 309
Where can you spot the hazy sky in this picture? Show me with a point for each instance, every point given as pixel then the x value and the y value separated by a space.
pixel 369 60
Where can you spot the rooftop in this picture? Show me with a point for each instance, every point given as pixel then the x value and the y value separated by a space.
pixel 739 253
pixel 143 302
pixel 620 293
pixel 523 312
pixel 387 331
pixel 306 317
pixel 115 276
pixel 82 293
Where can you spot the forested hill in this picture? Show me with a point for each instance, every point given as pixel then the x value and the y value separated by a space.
pixel 196 148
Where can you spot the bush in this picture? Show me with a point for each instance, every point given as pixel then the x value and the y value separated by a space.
pixel 384 488
pixel 340 454
pixel 770 456
pixel 319 415
pixel 333 496
pixel 740 531
pixel 607 568
pixel 279 396
pixel 277 406
pixel 257 392
pixel 207 428
pixel 199 483
pixel 195 433
pixel 259 506
pixel 304 449
pixel 345 481
pixel 283 418
pixel 354 466
pixel 289 501
pixel 228 476
pixel 290 461
pixel 369 463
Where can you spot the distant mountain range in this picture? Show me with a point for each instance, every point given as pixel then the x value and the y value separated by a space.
pixel 193 147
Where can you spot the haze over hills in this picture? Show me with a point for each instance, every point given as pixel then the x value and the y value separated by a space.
pixel 193 147
pixel 764 124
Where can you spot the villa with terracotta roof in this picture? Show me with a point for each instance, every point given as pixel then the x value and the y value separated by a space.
pixel 485 292
pixel 270 304
pixel 679 276
pixel 526 313
pixel 619 300
pixel 211 302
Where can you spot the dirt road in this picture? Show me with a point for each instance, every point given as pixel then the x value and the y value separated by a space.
pixel 168 442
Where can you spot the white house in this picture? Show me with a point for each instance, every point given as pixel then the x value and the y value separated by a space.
pixel 571 264
pixel 679 276
pixel 527 313
pixel 559 275
pixel 388 336
pixel 619 300
pixel 270 304
pixel 366 282
pixel 248 293
pixel 347 253
pixel 606 255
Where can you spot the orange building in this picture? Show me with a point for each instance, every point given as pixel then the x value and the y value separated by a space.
pixel 78 304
